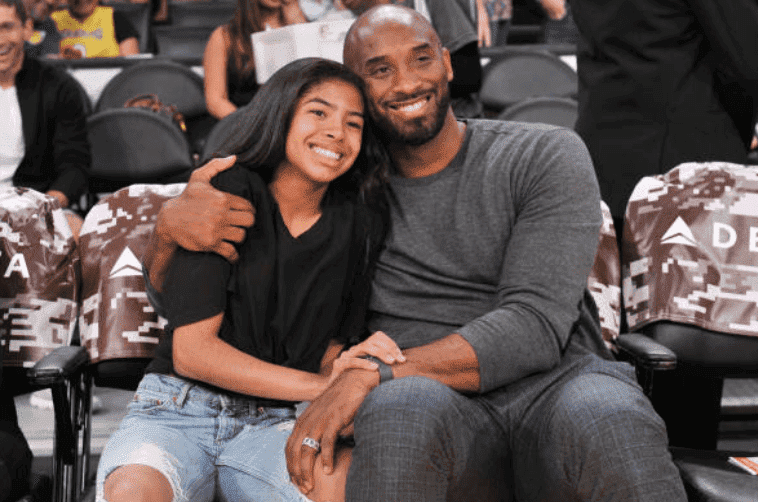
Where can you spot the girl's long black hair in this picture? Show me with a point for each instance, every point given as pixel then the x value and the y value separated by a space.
pixel 259 131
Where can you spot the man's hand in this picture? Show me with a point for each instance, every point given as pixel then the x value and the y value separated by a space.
pixel 203 218
pixel 331 414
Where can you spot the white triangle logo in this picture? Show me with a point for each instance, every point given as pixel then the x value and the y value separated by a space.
pixel 679 233
pixel 127 265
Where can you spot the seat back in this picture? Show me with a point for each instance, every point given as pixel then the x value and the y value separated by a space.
pixel 181 42
pixel 173 83
pixel 39 282
pixel 119 327
pixel 546 109
pixel 604 281
pixel 690 281
pixel 200 14
pixel 691 249
pixel 523 74
pixel 217 138
pixel 131 145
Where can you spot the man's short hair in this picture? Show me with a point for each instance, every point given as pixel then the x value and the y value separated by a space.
pixel 19 6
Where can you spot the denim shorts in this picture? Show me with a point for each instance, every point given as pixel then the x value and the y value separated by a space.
pixel 204 442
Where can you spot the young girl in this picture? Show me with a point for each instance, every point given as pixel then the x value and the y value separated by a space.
pixel 247 341
pixel 228 64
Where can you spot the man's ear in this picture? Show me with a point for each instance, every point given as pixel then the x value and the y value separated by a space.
pixel 28 29
pixel 448 64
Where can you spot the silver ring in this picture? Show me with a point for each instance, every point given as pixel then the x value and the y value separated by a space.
pixel 312 443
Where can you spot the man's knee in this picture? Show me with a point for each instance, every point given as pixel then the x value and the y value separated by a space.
pixel 597 437
pixel 408 402
pixel 596 403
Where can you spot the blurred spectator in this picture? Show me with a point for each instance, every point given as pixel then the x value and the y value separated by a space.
pixel 92 30
pixel 493 21
pixel 453 21
pixel 559 27
pixel 661 83
pixel 43 137
pixel 45 39
pixel 228 63
pixel 325 10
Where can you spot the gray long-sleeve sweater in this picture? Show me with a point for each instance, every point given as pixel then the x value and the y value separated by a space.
pixel 496 247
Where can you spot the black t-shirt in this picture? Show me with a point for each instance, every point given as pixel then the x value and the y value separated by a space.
pixel 286 297
pixel 123 27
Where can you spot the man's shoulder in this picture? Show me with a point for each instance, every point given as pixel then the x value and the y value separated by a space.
pixel 499 135
pixel 44 73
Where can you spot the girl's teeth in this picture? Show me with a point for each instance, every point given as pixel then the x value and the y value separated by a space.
pixel 327 153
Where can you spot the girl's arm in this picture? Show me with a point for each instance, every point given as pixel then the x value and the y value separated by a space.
pixel 215 59
pixel 199 354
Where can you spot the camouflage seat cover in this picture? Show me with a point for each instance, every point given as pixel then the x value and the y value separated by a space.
pixel 117 320
pixel 690 248
pixel 604 281
pixel 38 288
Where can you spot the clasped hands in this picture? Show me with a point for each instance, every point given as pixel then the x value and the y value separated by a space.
pixel 331 414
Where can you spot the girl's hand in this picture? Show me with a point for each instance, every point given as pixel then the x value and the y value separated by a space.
pixel 378 345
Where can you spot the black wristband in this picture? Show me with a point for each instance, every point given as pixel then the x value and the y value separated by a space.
pixel 385 371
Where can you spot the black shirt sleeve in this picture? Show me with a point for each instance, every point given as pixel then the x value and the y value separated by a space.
pixel 124 28
pixel 196 284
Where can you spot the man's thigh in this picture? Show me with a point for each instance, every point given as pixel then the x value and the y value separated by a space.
pixel 593 435
pixel 417 439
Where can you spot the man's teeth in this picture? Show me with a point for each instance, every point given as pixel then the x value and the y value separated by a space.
pixel 412 107
pixel 327 153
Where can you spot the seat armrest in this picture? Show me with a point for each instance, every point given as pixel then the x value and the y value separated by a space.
pixel 644 352
pixel 58 365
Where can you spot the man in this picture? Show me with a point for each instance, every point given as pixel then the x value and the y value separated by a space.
pixel 43 136
pixel 507 390
pixel 90 30
pixel 455 24
pixel 662 83
pixel 43 145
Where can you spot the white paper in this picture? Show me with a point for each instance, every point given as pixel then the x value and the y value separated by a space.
pixel 275 48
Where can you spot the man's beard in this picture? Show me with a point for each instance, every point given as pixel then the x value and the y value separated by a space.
pixel 420 134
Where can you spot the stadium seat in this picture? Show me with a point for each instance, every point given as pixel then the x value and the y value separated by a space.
pixel 214 143
pixel 689 283
pixel 38 303
pixel 181 42
pixel 85 97
pixel 521 73
pixel 173 83
pixel 120 329
pixel 547 110
pixel 200 14
pixel 132 145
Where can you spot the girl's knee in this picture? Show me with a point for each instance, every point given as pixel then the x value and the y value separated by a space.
pixel 331 487
pixel 137 483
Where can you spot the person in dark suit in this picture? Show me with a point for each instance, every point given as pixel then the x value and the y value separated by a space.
pixel 663 82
